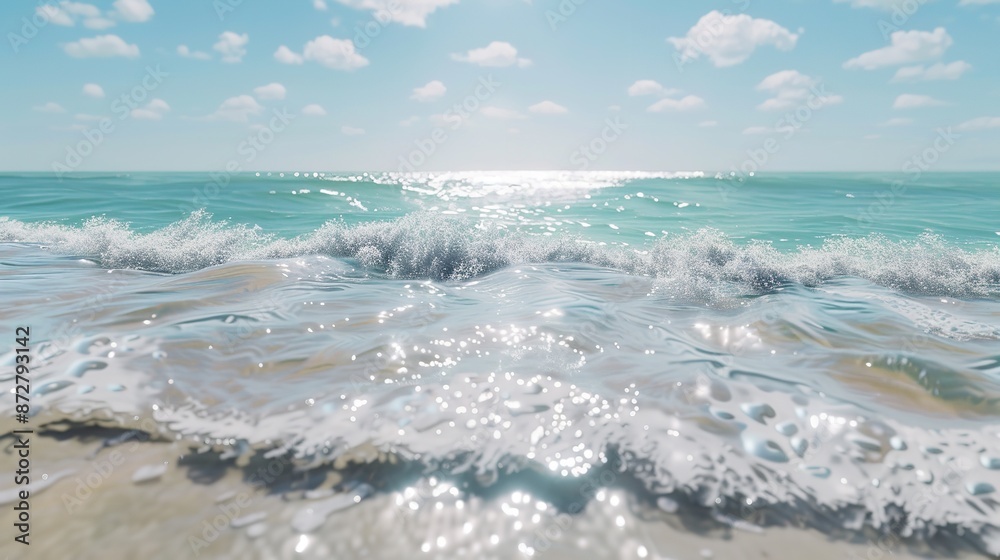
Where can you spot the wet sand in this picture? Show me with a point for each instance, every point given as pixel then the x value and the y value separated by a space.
pixel 102 508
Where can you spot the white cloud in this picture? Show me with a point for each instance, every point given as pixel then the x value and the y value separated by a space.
pixel 442 120
pixel 409 121
pixel 271 91
pixel 906 47
pixel 406 12
pixel 66 14
pixel 80 9
pixel 237 109
pixel 649 87
pixel 496 54
pixel 913 101
pixel 314 110
pixel 898 121
pixel 133 10
pixel 687 103
pixel 433 90
pixel 73 127
pixel 50 107
pixel 728 40
pixel 55 15
pixel 320 5
pixel 337 54
pixel 939 71
pixel 548 108
pixel 93 90
pixel 786 79
pixel 493 112
pixel 793 89
pixel 98 23
pixel 753 130
pixel 708 124
pixel 184 51
pixel 352 131
pixel 101 46
pixel 232 46
pixel 285 55
pixel 153 111
pixel 981 123
pixel 158 105
pixel 877 4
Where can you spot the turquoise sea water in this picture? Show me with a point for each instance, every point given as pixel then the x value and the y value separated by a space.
pixel 786 210
pixel 818 350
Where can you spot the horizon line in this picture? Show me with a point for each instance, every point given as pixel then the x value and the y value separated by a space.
pixel 355 171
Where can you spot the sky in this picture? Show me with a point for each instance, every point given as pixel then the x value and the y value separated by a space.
pixel 431 85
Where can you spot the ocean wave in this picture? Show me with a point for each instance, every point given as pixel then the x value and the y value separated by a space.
pixel 425 245
pixel 711 443
pixel 837 408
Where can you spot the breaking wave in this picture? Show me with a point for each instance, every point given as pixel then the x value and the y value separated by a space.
pixel 434 247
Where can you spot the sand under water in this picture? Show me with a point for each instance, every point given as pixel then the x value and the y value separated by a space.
pixel 498 372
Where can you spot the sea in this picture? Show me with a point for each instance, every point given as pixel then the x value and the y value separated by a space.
pixel 502 364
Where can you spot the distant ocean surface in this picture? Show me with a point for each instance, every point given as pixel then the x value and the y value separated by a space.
pixel 469 350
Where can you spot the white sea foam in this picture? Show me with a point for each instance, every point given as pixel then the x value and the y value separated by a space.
pixel 837 408
pixel 436 247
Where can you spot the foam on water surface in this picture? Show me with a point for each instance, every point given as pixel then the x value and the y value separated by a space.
pixel 429 246
pixel 475 340
pixel 796 415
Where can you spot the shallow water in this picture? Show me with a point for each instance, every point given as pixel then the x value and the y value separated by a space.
pixel 801 355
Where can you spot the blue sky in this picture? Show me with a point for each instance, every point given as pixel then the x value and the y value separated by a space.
pixel 500 84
